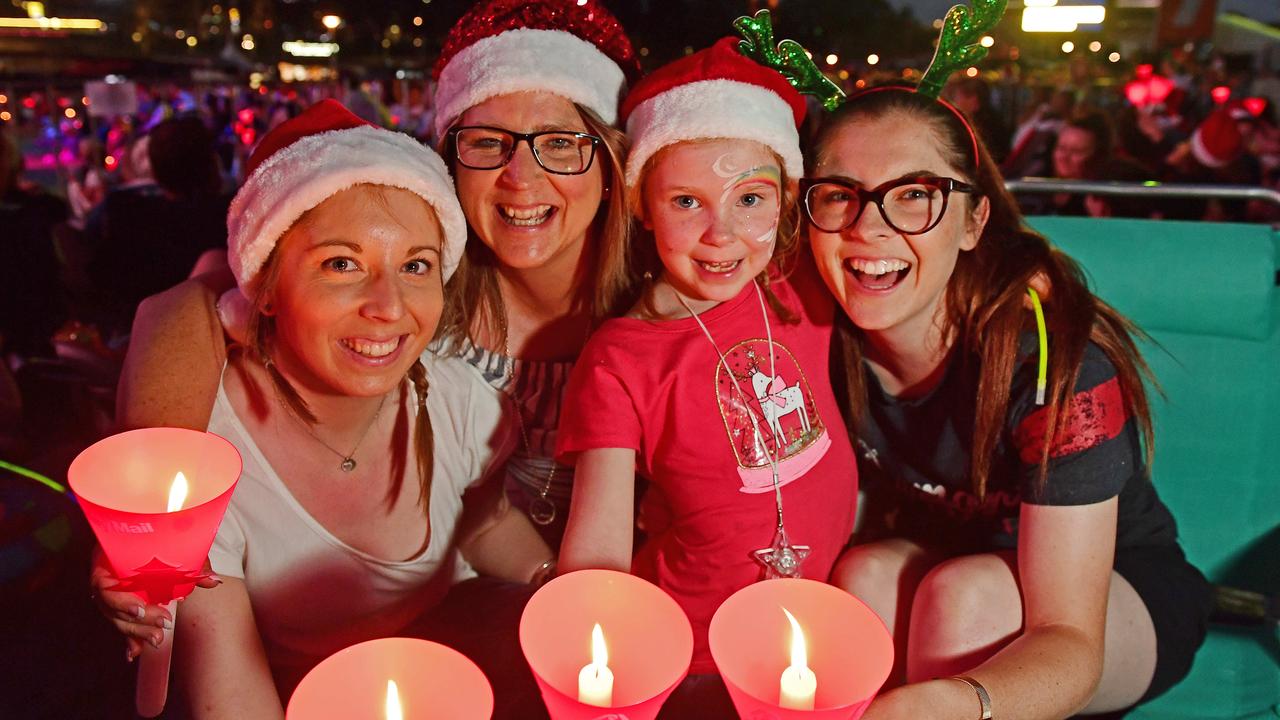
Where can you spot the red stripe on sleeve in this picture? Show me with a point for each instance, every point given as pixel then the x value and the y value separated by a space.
pixel 1096 416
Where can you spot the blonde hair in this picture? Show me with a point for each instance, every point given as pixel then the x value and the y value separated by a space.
pixel 262 328
pixel 472 298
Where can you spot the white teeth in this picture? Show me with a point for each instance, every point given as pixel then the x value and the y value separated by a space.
pixel 525 217
pixel 877 267
pixel 372 349
pixel 719 267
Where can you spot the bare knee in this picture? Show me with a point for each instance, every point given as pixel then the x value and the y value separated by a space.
pixel 964 611
pixel 880 574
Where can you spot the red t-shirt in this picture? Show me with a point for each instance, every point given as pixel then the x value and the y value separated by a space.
pixel 659 388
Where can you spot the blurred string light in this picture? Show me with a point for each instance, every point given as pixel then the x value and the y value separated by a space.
pixel 1068 47
pixel 1065 18
pixel 332 22
pixel 987 41
pixel 971 72
pixel 1114 57
pixel 832 59
pixel 1095 46
pixel 246 42
pixel 873 59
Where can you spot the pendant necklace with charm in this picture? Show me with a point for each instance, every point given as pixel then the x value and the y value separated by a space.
pixel 781 559
pixel 348 459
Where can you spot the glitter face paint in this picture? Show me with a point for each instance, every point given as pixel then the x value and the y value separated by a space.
pixel 713 208
pixel 725 167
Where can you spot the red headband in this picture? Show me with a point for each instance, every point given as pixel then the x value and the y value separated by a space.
pixel 973 137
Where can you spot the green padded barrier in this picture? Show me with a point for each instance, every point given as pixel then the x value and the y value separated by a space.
pixel 1200 278
pixel 1217 460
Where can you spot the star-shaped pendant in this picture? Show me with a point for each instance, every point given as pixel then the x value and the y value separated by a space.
pixel 781 559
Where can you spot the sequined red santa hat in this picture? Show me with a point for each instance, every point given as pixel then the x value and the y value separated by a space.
pixel 713 93
pixel 1217 142
pixel 317 154
pixel 571 48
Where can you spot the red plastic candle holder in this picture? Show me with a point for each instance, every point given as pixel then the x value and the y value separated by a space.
pixel 122 483
pixel 648 636
pixel 849 648
pixel 434 682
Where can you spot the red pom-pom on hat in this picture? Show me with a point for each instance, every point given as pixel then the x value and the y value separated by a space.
pixel 712 94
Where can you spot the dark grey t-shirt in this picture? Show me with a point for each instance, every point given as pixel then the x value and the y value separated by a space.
pixel 914 459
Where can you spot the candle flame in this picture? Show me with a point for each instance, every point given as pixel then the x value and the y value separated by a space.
pixel 393 702
pixel 599 653
pixel 177 492
pixel 799 653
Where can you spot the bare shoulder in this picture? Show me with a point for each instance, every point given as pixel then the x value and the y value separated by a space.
pixel 176 353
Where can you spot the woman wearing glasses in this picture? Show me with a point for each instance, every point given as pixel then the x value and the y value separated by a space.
pixel 525 108
pixel 1014 543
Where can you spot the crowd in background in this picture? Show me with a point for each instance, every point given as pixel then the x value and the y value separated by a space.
pixel 140 199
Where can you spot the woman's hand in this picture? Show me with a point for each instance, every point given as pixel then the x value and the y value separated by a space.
pixel 138 622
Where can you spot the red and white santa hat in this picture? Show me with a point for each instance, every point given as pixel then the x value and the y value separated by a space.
pixel 571 48
pixel 1217 142
pixel 317 154
pixel 714 93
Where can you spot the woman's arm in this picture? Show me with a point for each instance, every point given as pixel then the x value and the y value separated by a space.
pixel 503 545
pixel 176 353
pixel 220 659
pixel 1065 555
pixel 601 512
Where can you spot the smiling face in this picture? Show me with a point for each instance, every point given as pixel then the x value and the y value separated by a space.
pixel 529 217
pixel 713 207
pixel 358 291
pixel 888 282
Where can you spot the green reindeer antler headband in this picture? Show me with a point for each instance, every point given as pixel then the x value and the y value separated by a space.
pixel 959 43
pixel 787 57
pixel 959 46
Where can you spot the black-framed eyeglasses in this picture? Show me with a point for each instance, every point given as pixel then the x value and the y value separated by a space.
pixel 910 205
pixel 561 152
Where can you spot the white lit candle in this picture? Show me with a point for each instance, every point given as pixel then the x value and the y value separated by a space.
pixel 177 492
pixel 393 702
pixel 799 685
pixel 595 681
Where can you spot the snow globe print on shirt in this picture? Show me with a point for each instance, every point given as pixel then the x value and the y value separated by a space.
pixel 768 412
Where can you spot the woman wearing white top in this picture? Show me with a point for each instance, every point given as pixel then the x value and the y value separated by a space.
pixel 343 526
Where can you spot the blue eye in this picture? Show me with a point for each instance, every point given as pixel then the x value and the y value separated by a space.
pixel 687 202
pixel 751 199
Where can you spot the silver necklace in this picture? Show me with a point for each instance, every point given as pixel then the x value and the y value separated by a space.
pixel 541 510
pixel 781 558
pixel 348 459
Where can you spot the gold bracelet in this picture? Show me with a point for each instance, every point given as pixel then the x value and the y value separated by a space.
pixel 984 698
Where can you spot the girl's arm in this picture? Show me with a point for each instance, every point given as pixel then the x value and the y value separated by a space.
pixel 219 657
pixel 176 353
pixel 1065 555
pixel 601 513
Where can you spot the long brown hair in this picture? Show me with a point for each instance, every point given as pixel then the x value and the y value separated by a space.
pixel 473 299
pixel 262 328
pixel 984 310
pixel 640 258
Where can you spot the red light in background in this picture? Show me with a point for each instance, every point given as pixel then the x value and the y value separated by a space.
pixel 1221 94
pixel 29 103
pixel 1144 71
pixel 247 136
pixel 245 116
pixel 1255 105
pixel 262 89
